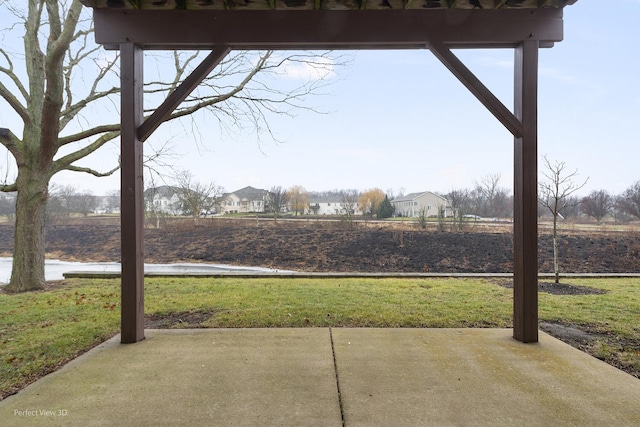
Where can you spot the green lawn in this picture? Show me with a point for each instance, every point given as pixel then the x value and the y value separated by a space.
pixel 42 330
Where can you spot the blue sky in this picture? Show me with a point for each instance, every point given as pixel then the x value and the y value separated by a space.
pixel 399 120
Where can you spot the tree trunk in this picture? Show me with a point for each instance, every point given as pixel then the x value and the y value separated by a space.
pixel 556 268
pixel 27 273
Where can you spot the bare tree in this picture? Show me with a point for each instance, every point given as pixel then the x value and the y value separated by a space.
pixel 60 202
pixel 489 199
pixel 394 194
pixel 597 204
pixel 422 218
pixel 72 201
pixel 629 201
pixel 69 83
pixel 277 200
pixel 572 211
pixel 460 202
pixel 112 201
pixel 349 204
pixel 85 203
pixel 555 191
pixel 196 198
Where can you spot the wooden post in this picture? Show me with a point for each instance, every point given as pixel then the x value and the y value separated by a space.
pixel 525 210
pixel 131 195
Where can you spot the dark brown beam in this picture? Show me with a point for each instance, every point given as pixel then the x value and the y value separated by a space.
pixel 180 94
pixel 525 196
pixel 477 88
pixel 321 29
pixel 131 194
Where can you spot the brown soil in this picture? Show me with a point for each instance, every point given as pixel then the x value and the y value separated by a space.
pixel 316 245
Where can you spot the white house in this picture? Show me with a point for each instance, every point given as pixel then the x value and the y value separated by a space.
pixel 108 204
pixel 245 200
pixel 331 205
pixel 163 199
pixel 412 204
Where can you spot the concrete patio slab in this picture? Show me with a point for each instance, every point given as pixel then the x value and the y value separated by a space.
pixel 476 377
pixel 287 377
pixel 205 377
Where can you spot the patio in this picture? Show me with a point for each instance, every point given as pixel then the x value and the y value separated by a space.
pixel 330 377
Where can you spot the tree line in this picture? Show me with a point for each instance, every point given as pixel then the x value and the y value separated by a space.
pixel 487 199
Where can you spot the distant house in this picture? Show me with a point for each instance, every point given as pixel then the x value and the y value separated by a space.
pixel 245 200
pixel 331 205
pixel 163 199
pixel 411 204
pixel 107 205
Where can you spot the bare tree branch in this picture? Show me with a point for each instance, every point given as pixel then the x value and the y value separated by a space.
pixel 8 188
pixel 69 114
pixel 15 104
pixel 92 171
pixel 89 133
pixel 11 143
pixel 61 37
pixel 559 185
pixel 64 162
pixel 71 110
pixel 12 75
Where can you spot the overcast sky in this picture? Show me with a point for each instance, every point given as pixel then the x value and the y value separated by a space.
pixel 399 120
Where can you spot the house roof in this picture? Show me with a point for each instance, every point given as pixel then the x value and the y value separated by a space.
pixel 325 199
pixel 413 196
pixel 162 191
pixel 249 193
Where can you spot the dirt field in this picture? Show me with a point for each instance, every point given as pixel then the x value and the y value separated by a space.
pixel 313 245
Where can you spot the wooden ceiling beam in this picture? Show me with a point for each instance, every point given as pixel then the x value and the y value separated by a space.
pixel 319 29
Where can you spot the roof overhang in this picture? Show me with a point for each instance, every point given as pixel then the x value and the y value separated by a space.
pixel 326 29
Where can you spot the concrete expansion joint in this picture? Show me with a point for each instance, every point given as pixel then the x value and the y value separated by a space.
pixel 335 369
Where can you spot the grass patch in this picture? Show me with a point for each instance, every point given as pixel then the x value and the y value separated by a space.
pixel 40 331
pixel 612 319
pixel 617 311
pixel 246 303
